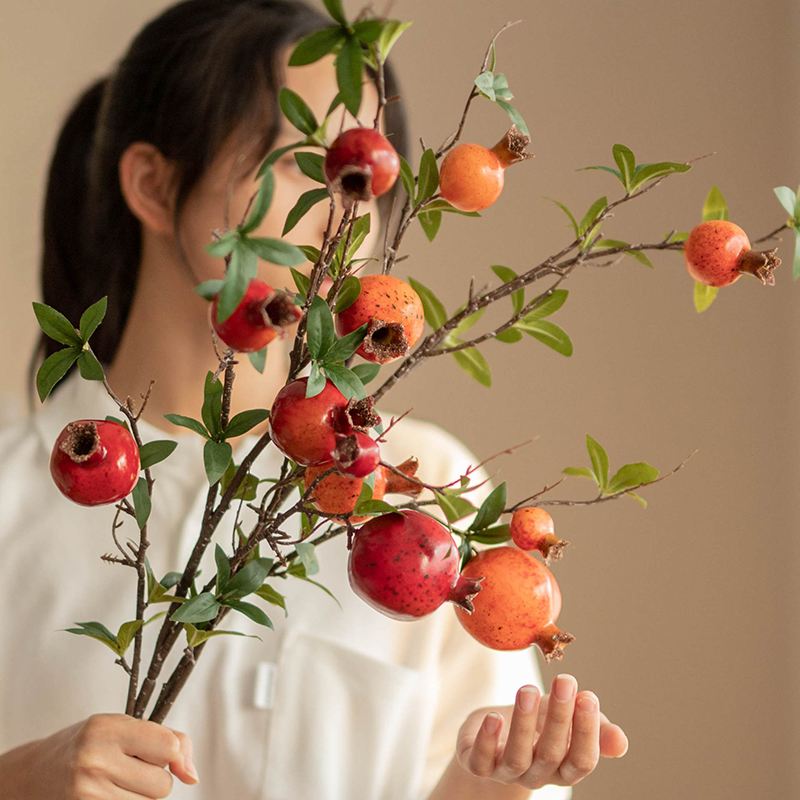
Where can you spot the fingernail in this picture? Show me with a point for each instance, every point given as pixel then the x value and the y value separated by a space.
pixel 190 767
pixel 492 723
pixel 526 698
pixel 565 688
pixel 587 703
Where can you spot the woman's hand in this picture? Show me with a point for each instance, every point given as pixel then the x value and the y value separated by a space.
pixel 109 756
pixel 556 739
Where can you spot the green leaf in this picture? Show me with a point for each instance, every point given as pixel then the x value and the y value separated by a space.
pixel 53 369
pixel 640 500
pixel 652 171
pixel 235 286
pixel 626 163
pixel 500 86
pixel 346 381
pixel 637 255
pixel 55 325
pixel 485 84
pixel 604 169
pixel 366 372
pixel 428 176
pixel 302 282
pixel 320 332
pixel 469 321
pixel 304 204
pixel 509 336
pixel 266 592
pixel 581 472
pixel 216 457
pixel 276 251
pixel 188 422
pixel 90 367
pixel 514 116
pixel 311 165
pixel 491 509
pixel 704 296
pixel 474 364
pixel 547 306
pixel 374 508
pixel 316 381
pixel 141 502
pixel 263 201
pixel 92 317
pixel 212 404
pixel 297 112
pixel 195 637
pixel 153 453
pixel 430 221
pixel 258 359
pixel 361 228
pixel 715 206
pixel 313 47
pixel 223 569
pixel 155 591
pixel 407 177
pixel 368 30
pixel 248 579
pixel 96 630
pixel 496 535
pixel 785 195
pixel 335 10
pixel 249 610
pixel 209 289
pixel 443 205
pixel 630 476
pixel 435 314
pixel 348 294
pixel 548 333
pixel 572 219
pixel 244 421
pixel 506 274
pixel 392 29
pixel 592 214
pixel 599 459
pixel 202 608
pixel 126 633
pixel 796 266
pixel 343 348
pixel 221 247
pixel 348 74
pixel 454 507
pixel 308 557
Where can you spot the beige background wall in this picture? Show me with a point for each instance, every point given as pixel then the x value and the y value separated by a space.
pixel 685 614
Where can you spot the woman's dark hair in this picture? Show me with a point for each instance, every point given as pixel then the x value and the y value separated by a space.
pixel 190 78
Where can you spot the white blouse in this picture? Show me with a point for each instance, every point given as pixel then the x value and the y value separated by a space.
pixel 337 703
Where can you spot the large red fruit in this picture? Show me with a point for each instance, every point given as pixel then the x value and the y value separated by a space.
pixel 260 317
pixel 304 428
pixel 394 314
pixel 718 253
pixel 471 176
pixel 518 604
pixel 406 565
pixel 95 462
pixel 361 164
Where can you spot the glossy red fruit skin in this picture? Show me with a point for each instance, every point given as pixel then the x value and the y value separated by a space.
pixel 389 300
pixel 471 177
pixel 356 455
pixel 713 251
pixel 361 164
pixel 405 565
pixel 250 327
pixel 105 475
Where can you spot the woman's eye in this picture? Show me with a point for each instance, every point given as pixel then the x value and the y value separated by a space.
pixel 289 165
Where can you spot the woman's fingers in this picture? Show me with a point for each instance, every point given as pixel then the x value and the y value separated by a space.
pixel 613 741
pixel 483 754
pixel 183 767
pixel 518 749
pixel 584 746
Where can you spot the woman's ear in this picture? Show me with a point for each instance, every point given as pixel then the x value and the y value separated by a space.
pixel 146 179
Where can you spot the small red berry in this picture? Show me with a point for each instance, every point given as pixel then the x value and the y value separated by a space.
pixel 356 455
pixel 95 462
pixel 392 310
pixel 471 176
pixel 718 253
pixel 261 316
pixel 532 529
pixel 361 164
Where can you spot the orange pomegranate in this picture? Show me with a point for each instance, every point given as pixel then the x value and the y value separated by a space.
pixel 532 529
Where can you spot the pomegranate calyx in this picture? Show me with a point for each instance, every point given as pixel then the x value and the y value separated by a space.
pixel 511 148
pixel 464 591
pixel 82 442
pixel 760 263
pixel 386 341
pixel 552 641
pixel 357 415
pixel 279 311
pixel 551 547
pixel 354 183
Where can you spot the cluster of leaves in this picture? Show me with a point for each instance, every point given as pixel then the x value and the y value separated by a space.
pixel 118 643
pixel 494 87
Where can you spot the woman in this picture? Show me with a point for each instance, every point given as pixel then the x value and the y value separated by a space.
pixel 337 702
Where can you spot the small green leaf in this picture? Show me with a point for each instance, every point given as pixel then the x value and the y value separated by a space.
pixel 428 176
pixel 392 29
pixel 153 453
pixel 374 508
pixel 216 457
pixel 343 348
pixel 435 314
pixel 126 633
pixel 491 509
pixel 652 171
pixel 361 228
pixel 335 10
pixel 212 404
pixel 316 381
pixel 249 610
pixel 348 74
pixel 796 265
pixel 469 321
pixel 704 296
pixel 266 592
pixel 496 535
pixel 244 421
pixel 188 422
pixel 509 336
pixel 430 221
pixel 500 86
pixel 485 84
pixel 311 165
pixel 316 45
pixel 443 205
pixel 235 286
pixel 92 317
pixel 581 472
pixel 366 372
pixel 610 170
pixel 276 251
pixel 223 569
pixel 304 204
pixel 514 116
pixel 407 177
pixel 474 364
pixel 640 500
pixel 141 502
pixel 261 204
pixel 368 30
pixel 346 381
pixel 209 289
pixel 786 197
pixel 96 630
pixel 630 476
pixel 320 332
pixel 202 608
pixel 547 305
pixel 90 367
pixel 55 325
pixel 258 359
pixel 599 459
pixel 221 247
pixel 572 219
pixel 195 637
pixel 348 294
pixel 248 579
pixel 610 244
pixel 297 112
pixel 454 507
pixel 596 209
pixel 506 274
pixel 308 557
pixel 302 282
pixel 715 206
pixel 548 333
pixel 626 163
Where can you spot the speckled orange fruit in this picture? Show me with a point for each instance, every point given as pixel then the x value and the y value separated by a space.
pixel 336 494
pixel 393 312
pixel 518 604
pixel 532 529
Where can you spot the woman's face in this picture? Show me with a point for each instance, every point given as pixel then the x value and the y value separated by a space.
pixel 231 179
